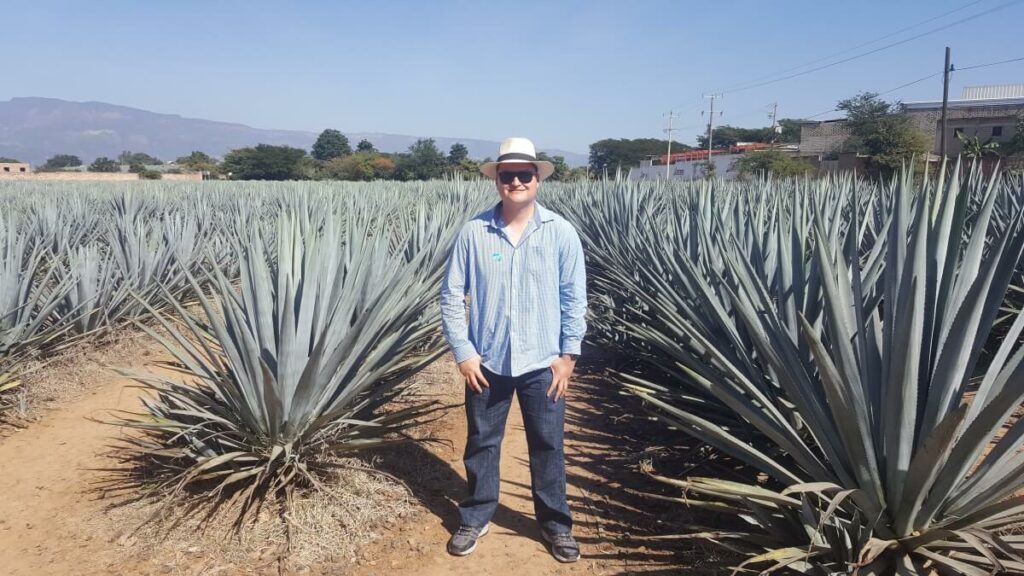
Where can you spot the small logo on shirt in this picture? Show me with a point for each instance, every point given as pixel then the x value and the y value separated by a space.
pixel 496 256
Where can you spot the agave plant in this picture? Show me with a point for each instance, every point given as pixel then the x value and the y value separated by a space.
pixel 28 296
pixel 295 364
pixel 99 297
pixel 838 354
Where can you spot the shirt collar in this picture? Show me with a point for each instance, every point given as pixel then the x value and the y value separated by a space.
pixel 540 215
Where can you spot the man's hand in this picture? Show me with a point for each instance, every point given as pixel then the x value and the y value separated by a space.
pixel 470 370
pixel 561 371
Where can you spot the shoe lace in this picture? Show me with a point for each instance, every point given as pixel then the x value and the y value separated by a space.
pixel 467 531
pixel 564 539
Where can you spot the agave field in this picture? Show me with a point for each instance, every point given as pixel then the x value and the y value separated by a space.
pixel 316 306
pixel 843 339
pixel 855 345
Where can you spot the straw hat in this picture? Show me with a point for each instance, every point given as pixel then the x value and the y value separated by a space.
pixel 517 151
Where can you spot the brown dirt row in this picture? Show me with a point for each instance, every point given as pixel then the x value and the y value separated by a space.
pixel 53 521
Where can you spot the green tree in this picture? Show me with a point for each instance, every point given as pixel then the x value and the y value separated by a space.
pixel 771 162
pixel 457 153
pixel 423 161
pixel 144 173
pixel 578 173
pixel 104 164
pixel 359 166
pixel 6 160
pixel 266 162
pixel 58 161
pixel 790 133
pixel 611 154
pixel 881 132
pixel 198 161
pixel 469 169
pixel 127 157
pixel 710 169
pixel 365 146
pixel 866 108
pixel 562 170
pixel 973 147
pixel 331 144
pixel 1015 145
pixel 726 136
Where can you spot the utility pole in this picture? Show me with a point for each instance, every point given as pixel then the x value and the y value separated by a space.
pixel 775 112
pixel 945 105
pixel 668 157
pixel 711 123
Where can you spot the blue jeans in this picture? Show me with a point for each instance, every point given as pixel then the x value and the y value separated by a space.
pixel 544 421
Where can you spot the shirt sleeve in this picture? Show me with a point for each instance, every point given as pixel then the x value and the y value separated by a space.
pixel 572 292
pixel 453 301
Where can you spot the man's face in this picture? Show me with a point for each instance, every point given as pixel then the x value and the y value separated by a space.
pixel 516 191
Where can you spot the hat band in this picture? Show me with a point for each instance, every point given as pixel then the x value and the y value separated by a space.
pixel 516 156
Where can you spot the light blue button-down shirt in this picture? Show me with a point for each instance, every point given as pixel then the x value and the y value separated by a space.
pixel 527 302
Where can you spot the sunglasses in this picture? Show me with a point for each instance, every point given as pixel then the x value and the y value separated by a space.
pixel 524 176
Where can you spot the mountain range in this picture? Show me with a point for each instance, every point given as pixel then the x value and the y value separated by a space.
pixel 33 129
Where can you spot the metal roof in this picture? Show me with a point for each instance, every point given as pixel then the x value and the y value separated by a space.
pixel 1000 91
pixel 972 96
pixel 974 103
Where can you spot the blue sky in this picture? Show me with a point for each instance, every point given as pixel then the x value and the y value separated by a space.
pixel 563 73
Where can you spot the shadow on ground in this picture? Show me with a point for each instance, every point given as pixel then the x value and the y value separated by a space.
pixel 608 435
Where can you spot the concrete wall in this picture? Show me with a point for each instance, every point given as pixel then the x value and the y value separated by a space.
pixel 190 177
pixel 823 138
pixel 974 121
pixel 14 168
pixel 90 177
pixel 688 170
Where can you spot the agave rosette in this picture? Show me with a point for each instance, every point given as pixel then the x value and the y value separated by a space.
pixel 29 295
pixel 831 339
pixel 295 364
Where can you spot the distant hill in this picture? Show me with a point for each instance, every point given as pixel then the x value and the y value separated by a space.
pixel 33 129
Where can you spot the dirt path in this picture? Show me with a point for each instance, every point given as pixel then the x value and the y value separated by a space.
pixel 608 518
pixel 513 544
pixel 51 522
pixel 47 507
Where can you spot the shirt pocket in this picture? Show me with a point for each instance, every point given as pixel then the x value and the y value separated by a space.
pixel 542 266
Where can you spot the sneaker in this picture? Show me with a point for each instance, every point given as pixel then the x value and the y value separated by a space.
pixel 563 546
pixel 463 542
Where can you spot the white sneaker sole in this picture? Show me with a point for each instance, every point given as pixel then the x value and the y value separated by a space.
pixel 487 528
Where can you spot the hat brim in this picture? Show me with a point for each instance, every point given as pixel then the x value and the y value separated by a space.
pixel 544 168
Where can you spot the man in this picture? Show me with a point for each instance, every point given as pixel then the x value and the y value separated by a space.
pixel 522 268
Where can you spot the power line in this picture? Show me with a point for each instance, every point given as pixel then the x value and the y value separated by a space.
pixel 889 91
pixel 763 109
pixel 911 83
pixel 928 77
pixel 876 50
pixel 861 45
pixel 989 64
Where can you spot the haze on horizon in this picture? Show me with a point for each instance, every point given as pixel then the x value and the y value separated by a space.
pixel 566 74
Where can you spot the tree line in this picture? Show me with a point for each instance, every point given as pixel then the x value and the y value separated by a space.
pixel 136 162
pixel 331 157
